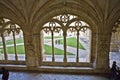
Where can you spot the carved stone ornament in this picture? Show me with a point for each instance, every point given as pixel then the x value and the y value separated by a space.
pixel 30 48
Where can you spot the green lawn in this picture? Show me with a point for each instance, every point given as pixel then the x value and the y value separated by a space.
pixel 72 42
pixel 48 50
pixel 20 49
pixel 19 40
pixel 10 50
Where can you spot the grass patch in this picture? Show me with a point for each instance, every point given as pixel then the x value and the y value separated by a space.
pixel 19 40
pixel 48 51
pixel 10 50
pixel 9 42
pixel 72 42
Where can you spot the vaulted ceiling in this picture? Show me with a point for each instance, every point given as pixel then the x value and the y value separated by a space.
pixel 26 12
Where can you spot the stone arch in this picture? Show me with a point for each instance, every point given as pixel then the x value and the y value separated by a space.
pixel 86 18
pixel 11 21
pixel 11 31
pixel 90 19
pixel 66 27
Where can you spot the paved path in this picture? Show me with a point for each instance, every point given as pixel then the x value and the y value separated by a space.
pixel 48 76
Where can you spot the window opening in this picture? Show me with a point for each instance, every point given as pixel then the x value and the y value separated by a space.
pixel 68 34
pixel 11 41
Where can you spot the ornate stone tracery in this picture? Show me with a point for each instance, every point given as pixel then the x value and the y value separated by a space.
pixel 70 25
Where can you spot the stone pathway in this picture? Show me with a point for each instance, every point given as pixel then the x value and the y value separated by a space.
pixel 48 76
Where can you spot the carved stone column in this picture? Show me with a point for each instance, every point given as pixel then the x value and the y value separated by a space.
pixel 114 47
pixel 41 43
pixel 93 47
pixel 102 61
pixel 38 47
pixel 31 55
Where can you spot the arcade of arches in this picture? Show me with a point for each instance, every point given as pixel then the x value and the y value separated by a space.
pixel 77 36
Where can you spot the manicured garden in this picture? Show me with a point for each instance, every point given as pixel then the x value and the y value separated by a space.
pixel 71 41
pixel 48 51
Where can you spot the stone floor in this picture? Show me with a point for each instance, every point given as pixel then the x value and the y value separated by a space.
pixel 50 76
pixel 114 56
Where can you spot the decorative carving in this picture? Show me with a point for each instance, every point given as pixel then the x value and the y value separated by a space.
pixel 64 18
pixel 104 44
pixel 52 28
pixel 30 46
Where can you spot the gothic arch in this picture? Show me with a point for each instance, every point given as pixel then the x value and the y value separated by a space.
pixel 82 15
pixel 65 25
pixel 10 32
